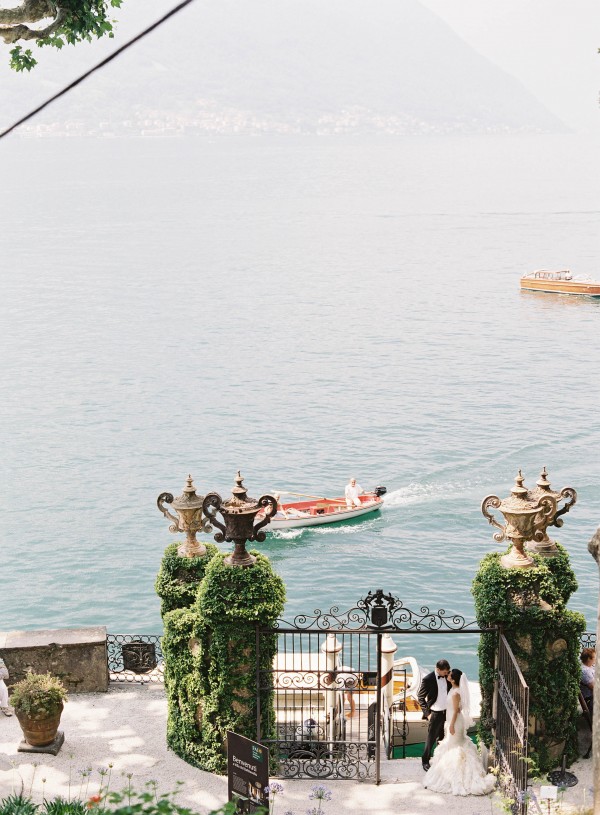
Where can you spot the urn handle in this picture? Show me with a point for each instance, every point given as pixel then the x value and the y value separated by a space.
pixel 569 493
pixel 264 502
pixel 210 506
pixel 494 502
pixel 167 498
pixel 547 505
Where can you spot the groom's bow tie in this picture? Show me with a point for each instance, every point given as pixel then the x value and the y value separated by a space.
pixel 442 677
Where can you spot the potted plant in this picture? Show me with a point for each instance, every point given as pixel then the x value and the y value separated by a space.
pixel 38 702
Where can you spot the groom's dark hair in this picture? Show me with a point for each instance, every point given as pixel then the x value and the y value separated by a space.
pixel 442 665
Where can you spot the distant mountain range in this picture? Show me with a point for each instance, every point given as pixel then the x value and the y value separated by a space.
pixel 286 66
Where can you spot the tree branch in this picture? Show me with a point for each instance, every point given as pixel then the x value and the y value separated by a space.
pixel 13 20
pixel 30 11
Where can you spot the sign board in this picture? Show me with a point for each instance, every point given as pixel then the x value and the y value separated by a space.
pixel 247 773
pixel 548 793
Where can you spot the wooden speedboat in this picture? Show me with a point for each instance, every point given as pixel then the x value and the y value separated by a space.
pixel 560 282
pixel 315 511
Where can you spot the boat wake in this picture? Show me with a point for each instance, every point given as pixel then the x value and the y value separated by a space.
pixel 344 528
pixel 286 534
pixel 411 494
pixel 421 493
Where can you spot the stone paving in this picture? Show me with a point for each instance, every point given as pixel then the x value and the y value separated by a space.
pixel 126 728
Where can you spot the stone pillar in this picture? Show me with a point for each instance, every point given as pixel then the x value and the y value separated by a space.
pixel 530 606
pixel 232 601
pixel 331 648
pixel 177 586
pixel 388 649
pixel 594 549
pixel 179 577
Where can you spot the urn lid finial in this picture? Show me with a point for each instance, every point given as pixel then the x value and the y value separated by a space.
pixel 188 499
pixel 542 481
pixel 519 490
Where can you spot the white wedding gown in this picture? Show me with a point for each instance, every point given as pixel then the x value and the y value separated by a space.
pixel 456 767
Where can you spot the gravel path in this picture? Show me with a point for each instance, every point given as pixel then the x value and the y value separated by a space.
pixel 126 728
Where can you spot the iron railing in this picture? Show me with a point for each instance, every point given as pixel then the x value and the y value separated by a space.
pixel 321 722
pixel 337 700
pixel 588 639
pixel 512 722
pixel 135 658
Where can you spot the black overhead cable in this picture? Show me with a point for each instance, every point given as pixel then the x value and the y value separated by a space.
pixel 96 67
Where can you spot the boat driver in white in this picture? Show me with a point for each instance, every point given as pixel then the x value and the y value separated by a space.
pixel 280 513
pixel 353 490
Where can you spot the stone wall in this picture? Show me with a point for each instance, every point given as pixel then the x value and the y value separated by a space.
pixel 77 656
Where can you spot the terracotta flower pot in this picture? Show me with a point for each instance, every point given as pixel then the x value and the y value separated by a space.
pixel 39 730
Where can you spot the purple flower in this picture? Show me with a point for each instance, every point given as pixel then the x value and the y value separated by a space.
pixel 274 788
pixel 320 793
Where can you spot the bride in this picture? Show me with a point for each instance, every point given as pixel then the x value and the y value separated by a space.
pixel 456 766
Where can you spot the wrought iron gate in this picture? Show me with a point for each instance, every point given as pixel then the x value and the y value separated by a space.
pixel 512 722
pixel 317 677
pixel 340 697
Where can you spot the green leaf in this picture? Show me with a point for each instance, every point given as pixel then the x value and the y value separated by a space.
pixel 21 60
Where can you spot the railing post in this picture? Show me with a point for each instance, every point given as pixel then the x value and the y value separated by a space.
pixel 495 692
pixel 331 648
pixel 378 715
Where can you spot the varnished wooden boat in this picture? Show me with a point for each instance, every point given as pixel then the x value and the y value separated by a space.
pixel 316 511
pixel 559 282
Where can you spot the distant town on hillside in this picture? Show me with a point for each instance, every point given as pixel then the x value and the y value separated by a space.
pixel 300 67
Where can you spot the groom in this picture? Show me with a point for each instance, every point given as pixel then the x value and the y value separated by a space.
pixel 433 695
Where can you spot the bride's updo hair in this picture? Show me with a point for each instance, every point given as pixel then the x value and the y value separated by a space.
pixel 456 674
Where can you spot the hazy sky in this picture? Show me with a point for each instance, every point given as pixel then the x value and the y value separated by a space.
pixel 551 46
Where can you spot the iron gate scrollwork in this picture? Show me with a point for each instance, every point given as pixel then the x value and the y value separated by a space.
pixel 339 699
pixel 315 679
pixel 588 639
pixel 135 658
pixel 512 723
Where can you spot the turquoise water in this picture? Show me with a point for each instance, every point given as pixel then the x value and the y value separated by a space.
pixel 304 310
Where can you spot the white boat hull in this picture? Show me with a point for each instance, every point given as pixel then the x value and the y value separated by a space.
pixel 319 520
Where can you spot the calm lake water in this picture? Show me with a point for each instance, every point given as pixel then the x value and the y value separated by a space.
pixel 304 309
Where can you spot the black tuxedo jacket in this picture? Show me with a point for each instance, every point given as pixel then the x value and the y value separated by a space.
pixel 428 692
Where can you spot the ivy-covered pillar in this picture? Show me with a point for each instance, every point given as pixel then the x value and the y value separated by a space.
pixel 238 593
pixel 232 601
pixel 526 594
pixel 181 572
pixel 594 550
pixel 177 585
pixel 530 606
